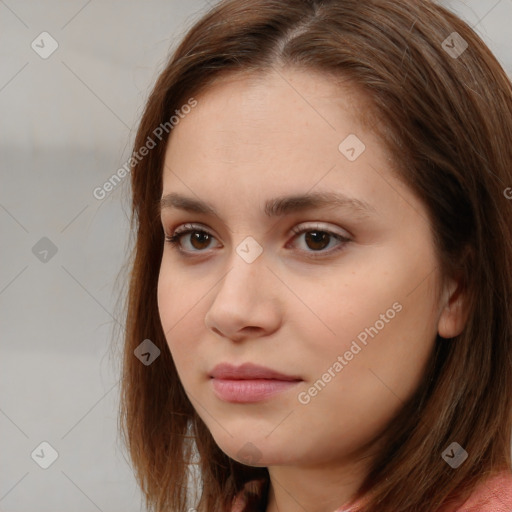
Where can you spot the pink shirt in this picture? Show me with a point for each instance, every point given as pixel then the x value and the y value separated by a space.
pixel 494 495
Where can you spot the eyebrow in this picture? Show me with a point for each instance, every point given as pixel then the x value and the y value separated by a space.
pixel 278 206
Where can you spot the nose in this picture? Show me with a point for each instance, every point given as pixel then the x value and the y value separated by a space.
pixel 246 301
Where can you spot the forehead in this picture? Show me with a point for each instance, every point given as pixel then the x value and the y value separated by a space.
pixel 312 94
pixel 251 119
pixel 259 137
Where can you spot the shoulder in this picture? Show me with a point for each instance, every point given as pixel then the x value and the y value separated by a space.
pixel 493 495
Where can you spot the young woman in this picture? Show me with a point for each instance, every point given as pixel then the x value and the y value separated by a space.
pixel 319 313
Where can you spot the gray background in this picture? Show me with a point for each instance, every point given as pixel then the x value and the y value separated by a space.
pixel 67 124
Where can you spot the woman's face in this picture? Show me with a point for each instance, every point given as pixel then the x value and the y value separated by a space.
pixel 345 305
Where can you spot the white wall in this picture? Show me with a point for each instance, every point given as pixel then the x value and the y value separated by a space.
pixel 66 126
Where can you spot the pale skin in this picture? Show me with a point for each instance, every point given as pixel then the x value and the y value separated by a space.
pixel 245 142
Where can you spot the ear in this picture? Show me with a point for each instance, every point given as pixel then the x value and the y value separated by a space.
pixel 454 312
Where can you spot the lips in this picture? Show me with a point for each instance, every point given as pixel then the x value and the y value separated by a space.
pixel 249 383
pixel 249 371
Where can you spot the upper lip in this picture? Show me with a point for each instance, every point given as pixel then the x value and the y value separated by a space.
pixel 248 371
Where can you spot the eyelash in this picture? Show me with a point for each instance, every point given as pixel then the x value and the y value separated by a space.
pixel 175 238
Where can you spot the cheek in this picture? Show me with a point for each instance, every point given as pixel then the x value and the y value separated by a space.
pixel 170 309
pixel 337 307
pixel 165 300
pixel 176 297
pixel 180 308
pixel 379 321
pixel 369 386
pixel 396 344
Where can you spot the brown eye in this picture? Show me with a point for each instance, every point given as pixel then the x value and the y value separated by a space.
pixel 199 240
pixel 317 240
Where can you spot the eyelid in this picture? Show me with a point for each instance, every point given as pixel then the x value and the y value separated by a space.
pixel 189 225
pixel 298 229
pixel 305 226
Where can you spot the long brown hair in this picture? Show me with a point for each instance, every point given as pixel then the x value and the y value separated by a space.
pixel 447 119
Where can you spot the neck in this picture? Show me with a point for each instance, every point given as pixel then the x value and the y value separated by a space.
pixel 323 488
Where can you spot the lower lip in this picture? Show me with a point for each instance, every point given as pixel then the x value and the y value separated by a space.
pixel 245 391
